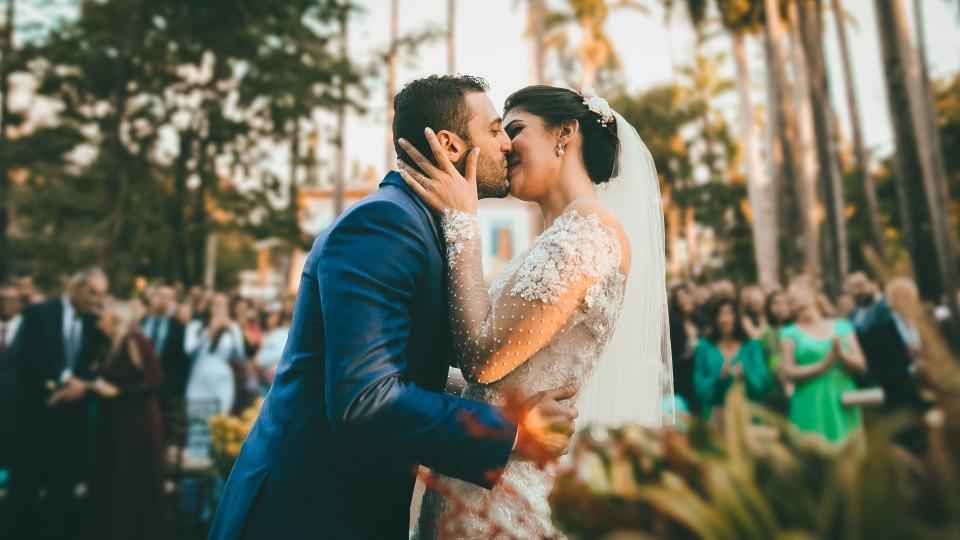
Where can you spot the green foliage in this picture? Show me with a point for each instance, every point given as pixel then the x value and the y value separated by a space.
pixel 694 150
pixel 166 113
pixel 752 480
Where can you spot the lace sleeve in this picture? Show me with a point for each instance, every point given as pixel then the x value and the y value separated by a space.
pixel 560 272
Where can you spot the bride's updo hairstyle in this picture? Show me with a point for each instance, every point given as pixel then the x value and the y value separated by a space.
pixel 558 105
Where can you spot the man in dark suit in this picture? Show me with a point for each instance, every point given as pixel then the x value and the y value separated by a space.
pixel 166 333
pixel 888 357
pixel 357 400
pixel 10 307
pixel 54 351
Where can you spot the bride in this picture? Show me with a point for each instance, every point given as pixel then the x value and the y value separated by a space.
pixel 586 304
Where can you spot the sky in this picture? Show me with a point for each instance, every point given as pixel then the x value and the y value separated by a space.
pixel 490 44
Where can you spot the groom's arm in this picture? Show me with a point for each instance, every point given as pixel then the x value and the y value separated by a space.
pixel 370 268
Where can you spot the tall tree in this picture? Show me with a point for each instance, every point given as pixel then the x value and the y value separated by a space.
pixel 5 54
pixel 807 164
pixel 781 132
pixel 392 53
pixel 836 255
pixel 340 177
pixel 862 169
pixel 173 108
pixel 595 51
pixel 925 230
pixel 536 37
pixel 739 19
pixel 451 36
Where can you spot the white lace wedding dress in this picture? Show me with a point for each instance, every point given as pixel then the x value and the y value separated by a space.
pixel 542 325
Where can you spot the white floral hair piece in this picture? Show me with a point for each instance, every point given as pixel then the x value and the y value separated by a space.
pixel 597 104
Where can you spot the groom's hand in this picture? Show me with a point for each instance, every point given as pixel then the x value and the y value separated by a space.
pixel 545 425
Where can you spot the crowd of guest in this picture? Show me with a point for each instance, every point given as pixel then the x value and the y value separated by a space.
pixel 797 352
pixel 94 392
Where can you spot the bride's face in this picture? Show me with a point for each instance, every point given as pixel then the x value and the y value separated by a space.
pixel 532 164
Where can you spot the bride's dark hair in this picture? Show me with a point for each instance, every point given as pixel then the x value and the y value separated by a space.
pixel 555 106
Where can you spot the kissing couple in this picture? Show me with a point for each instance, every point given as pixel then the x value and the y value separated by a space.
pixel 393 292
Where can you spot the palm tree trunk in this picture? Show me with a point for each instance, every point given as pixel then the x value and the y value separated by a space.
pixel 200 221
pixel 938 193
pixel 340 177
pixel 536 30
pixel 928 234
pixel 831 188
pixel 451 42
pixel 391 153
pixel 875 233
pixel 806 155
pixel 588 67
pixel 914 206
pixel 4 116
pixel 783 153
pixel 178 269
pixel 758 184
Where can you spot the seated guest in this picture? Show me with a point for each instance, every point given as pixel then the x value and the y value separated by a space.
pixel 820 356
pixel 724 354
pixel 126 483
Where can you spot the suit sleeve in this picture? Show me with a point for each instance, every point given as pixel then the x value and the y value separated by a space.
pixel 369 271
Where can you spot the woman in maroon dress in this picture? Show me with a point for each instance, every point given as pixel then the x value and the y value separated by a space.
pixel 126 484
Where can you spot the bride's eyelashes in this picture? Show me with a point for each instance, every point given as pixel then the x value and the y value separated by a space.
pixel 513 129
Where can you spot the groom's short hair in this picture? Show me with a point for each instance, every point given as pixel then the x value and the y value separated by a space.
pixel 438 102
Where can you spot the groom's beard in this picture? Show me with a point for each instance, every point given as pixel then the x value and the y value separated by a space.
pixel 492 177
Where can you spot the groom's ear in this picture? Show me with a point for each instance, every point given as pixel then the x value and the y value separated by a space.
pixel 455 146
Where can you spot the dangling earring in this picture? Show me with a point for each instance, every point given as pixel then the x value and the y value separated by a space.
pixel 559 150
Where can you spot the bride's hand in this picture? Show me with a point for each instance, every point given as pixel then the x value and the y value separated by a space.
pixel 443 187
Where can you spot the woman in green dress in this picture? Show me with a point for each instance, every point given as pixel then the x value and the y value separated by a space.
pixel 726 354
pixel 819 356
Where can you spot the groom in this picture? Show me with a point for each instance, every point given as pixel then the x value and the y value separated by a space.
pixel 357 401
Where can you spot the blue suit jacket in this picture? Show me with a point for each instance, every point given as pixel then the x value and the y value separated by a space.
pixel 357 401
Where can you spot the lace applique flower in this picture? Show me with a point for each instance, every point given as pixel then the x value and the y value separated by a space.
pixel 459 227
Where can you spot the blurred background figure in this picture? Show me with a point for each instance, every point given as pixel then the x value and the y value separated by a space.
pixel 54 353
pixel 684 334
pixel 126 481
pixel 885 339
pixel 276 328
pixel 777 309
pixel 820 357
pixel 166 332
pixel 213 343
pixel 10 307
pixel 726 354
pixel 29 293
pixel 845 305
pixel 753 318
pixel 246 376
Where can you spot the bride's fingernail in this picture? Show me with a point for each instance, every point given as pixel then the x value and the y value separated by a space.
pixel 427 130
